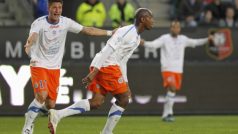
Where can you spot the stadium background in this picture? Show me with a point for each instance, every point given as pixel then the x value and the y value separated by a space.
pixel 209 86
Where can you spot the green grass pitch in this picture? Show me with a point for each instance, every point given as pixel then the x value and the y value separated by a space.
pixel 129 125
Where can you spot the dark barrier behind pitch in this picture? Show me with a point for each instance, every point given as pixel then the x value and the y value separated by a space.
pixel 209 86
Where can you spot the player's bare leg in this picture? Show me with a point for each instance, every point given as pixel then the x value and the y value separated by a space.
pixel 36 106
pixel 168 105
pixel 116 111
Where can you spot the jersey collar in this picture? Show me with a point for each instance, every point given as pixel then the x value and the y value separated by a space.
pixel 47 19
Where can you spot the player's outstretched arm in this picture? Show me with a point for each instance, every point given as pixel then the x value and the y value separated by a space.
pixel 197 42
pixel 157 43
pixel 31 39
pixel 96 31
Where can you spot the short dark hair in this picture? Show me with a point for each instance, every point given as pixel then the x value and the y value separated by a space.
pixel 52 1
pixel 141 12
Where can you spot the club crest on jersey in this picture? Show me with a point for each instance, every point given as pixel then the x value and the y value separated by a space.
pixel 97 86
pixel 120 80
pixel 221 47
pixel 54 32
pixel 35 85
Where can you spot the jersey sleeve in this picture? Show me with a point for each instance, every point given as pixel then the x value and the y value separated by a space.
pixel 123 66
pixel 157 43
pixel 35 27
pixel 115 41
pixel 195 42
pixel 105 53
pixel 73 26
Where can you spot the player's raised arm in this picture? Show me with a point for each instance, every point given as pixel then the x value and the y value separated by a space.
pixel 96 31
pixel 157 43
pixel 199 42
pixel 31 39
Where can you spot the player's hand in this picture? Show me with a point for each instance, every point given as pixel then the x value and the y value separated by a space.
pixel 27 48
pixel 142 42
pixel 210 38
pixel 86 81
pixel 89 78
pixel 129 91
pixel 114 30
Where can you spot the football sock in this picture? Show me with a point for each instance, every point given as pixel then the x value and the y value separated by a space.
pixel 44 110
pixel 32 112
pixel 171 96
pixel 77 108
pixel 113 118
pixel 168 104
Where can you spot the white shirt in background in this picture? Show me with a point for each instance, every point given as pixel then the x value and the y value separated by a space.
pixel 172 50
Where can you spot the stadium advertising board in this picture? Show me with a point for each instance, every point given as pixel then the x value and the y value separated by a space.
pixel 209 86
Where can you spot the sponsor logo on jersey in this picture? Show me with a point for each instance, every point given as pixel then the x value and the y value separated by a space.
pixel 221 47
pixel 54 26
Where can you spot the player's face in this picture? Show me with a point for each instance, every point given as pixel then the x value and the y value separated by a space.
pixel 149 22
pixel 175 28
pixel 55 11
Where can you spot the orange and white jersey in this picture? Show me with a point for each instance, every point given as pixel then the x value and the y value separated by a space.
pixel 48 50
pixel 122 43
pixel 172 50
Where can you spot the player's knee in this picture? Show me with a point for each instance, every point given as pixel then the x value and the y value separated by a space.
pixel 50 105
pixel 41 97
pixel 171 88
pixel 95 104
pixel 123 102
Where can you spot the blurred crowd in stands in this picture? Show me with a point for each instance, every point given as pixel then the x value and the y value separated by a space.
pixel 93 12
pixel 193 13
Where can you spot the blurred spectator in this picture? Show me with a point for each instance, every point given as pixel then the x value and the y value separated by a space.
pixel 121 13
pixel 208 20
pixel 206 2
pixel 229 20
pixel 235 3
pixel 40 8
pixel 91 13
pixel 190 11
pixel 217 8
pixel 174 12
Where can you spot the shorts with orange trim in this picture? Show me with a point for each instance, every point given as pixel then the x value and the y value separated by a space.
pixel 45 80
pixel 172 79
pixel 108 80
